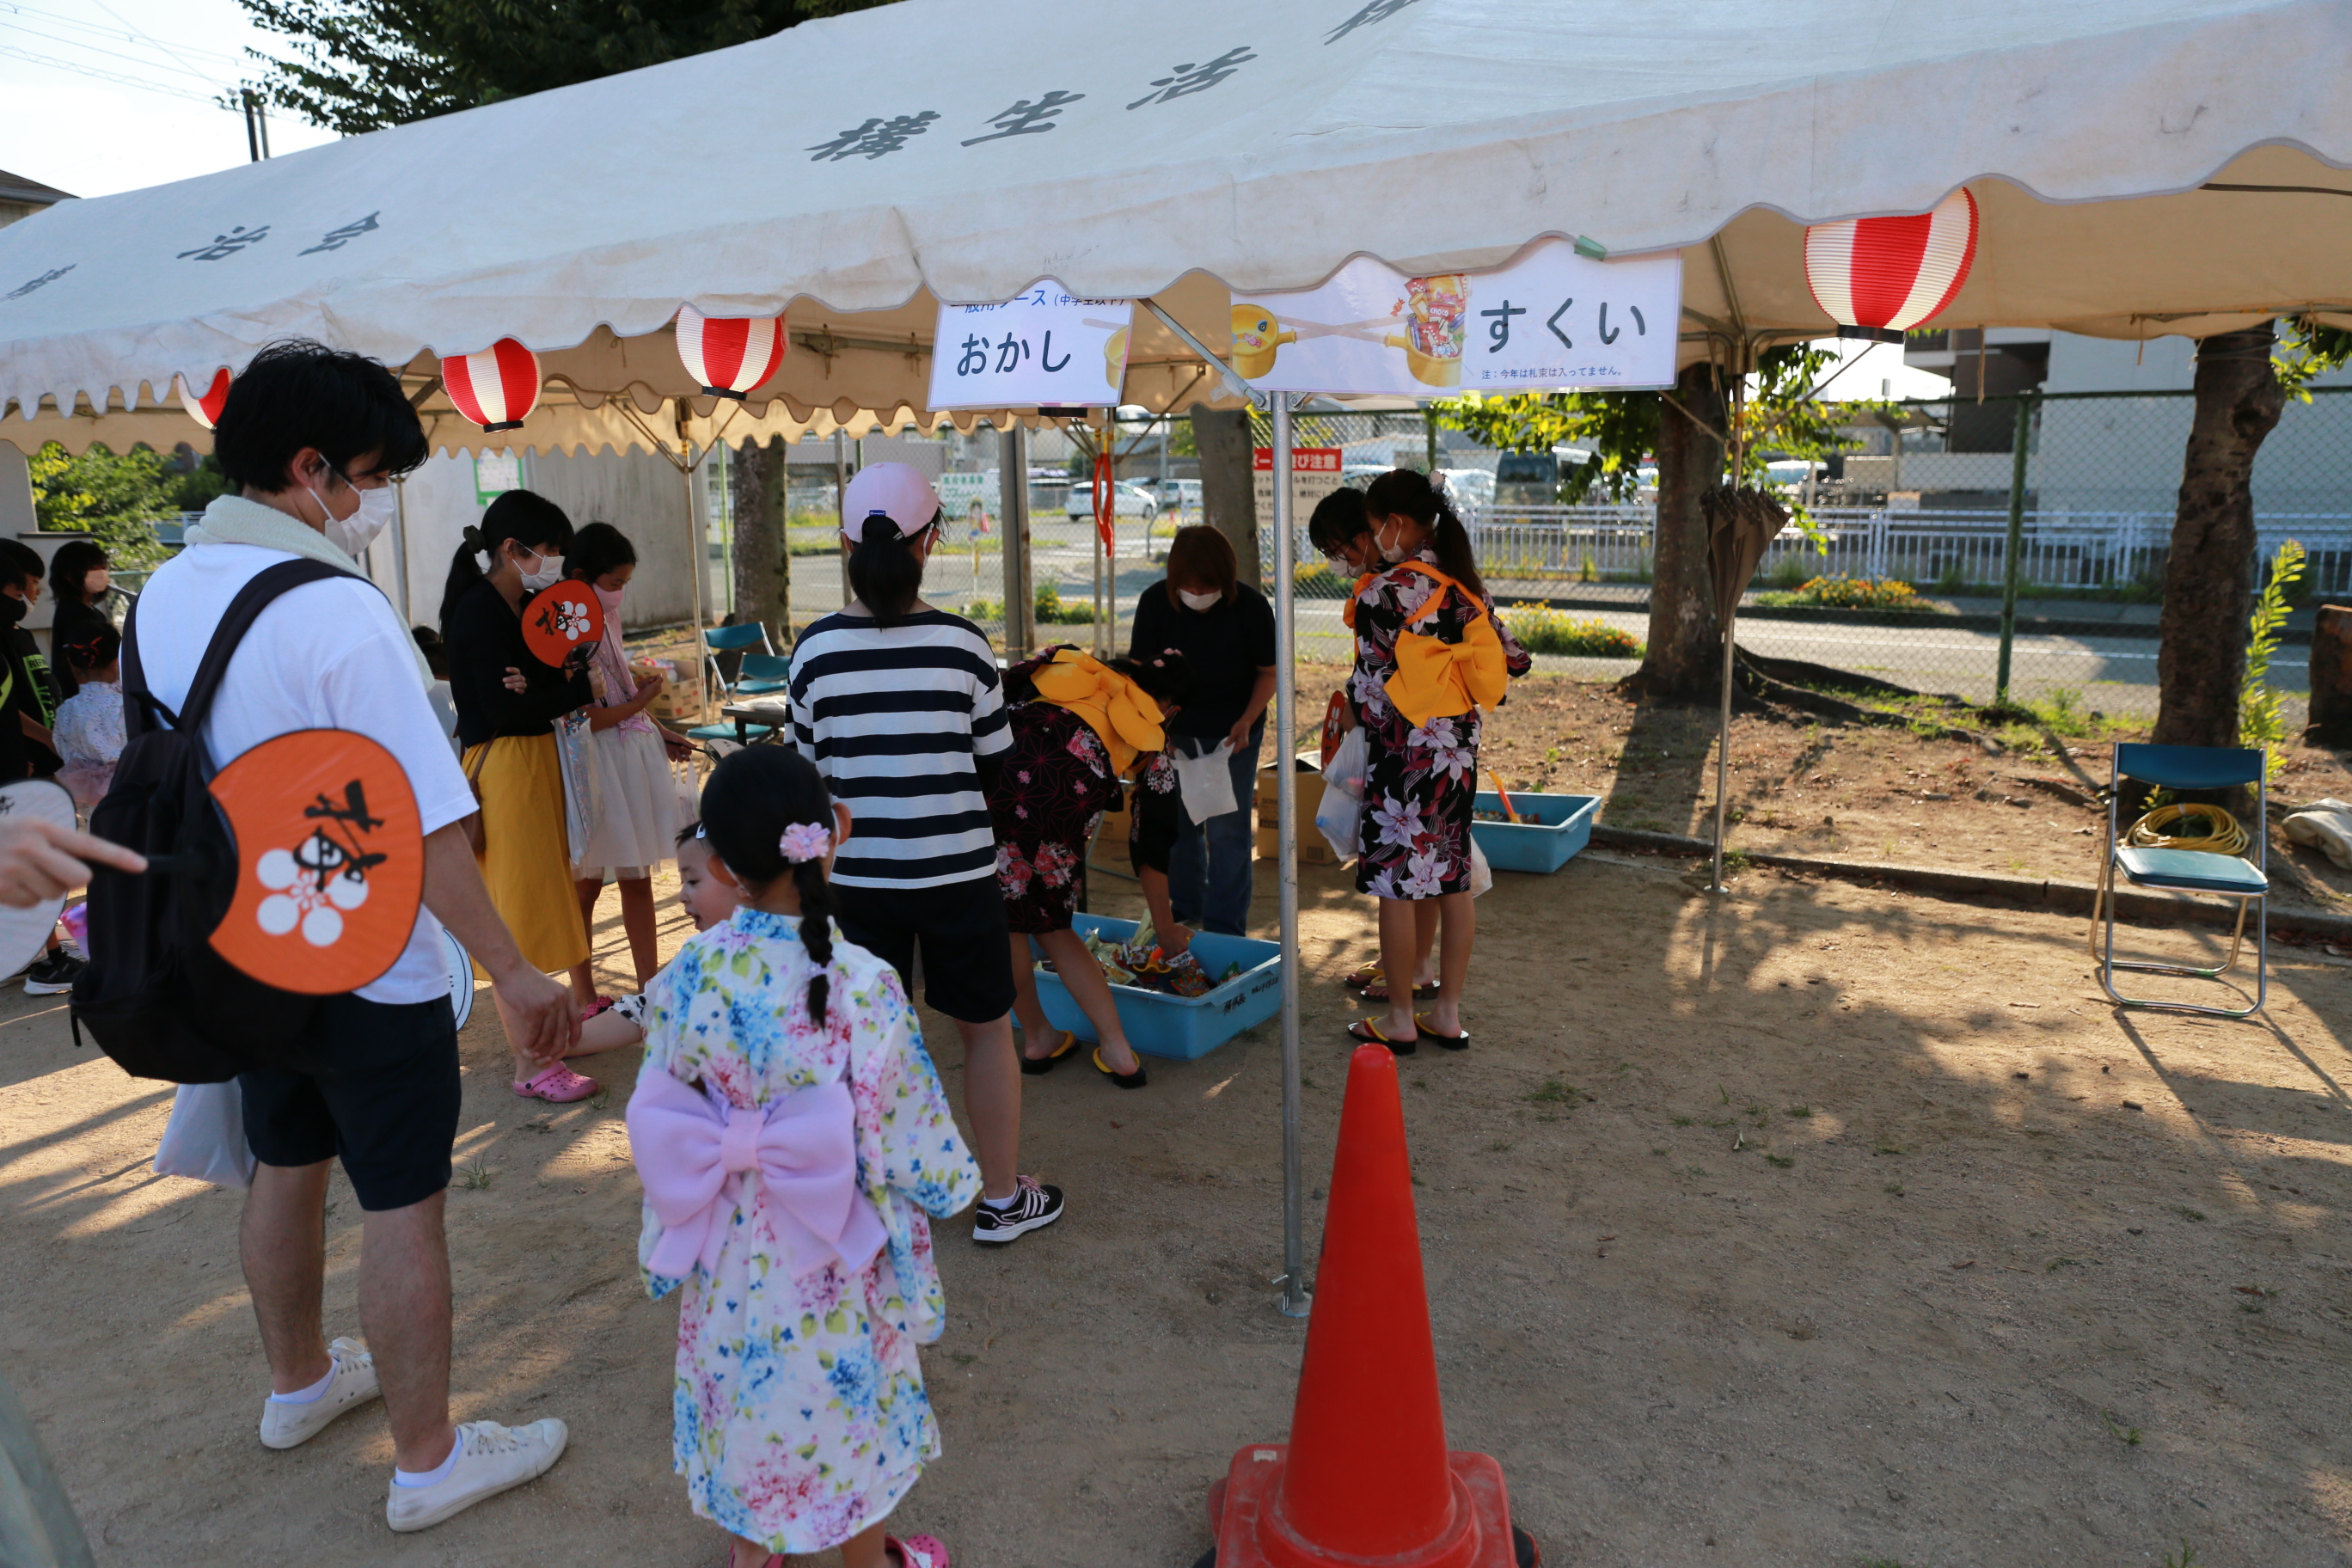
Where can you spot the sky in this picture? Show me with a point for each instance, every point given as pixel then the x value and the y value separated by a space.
pixel 101 96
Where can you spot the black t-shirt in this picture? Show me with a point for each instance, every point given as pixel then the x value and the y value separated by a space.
pixel 1225 646
pixel 33 695
pixel 483 640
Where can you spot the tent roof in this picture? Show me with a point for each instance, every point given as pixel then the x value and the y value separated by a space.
pixel 1253 147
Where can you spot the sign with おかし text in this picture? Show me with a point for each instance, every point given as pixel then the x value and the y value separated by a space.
pixel 1046 347
pixel 1551 319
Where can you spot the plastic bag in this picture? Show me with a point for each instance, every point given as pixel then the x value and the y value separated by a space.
pixel 205 1137
pixel 1340 815
pixel 1482 876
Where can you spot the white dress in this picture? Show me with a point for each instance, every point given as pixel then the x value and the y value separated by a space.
pixel 635 810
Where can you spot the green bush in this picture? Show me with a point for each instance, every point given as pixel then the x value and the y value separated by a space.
pixel 1843 592
pixel 1542 629
pixel 1049 610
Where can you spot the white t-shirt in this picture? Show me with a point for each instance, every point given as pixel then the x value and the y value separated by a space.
pixel 326 655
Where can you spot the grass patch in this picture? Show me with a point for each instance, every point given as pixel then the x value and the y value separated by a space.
pixel 1843 593
pixel 475 1177
pixel 1554 1092
pixel 1049 609
pixel 1542 629
pixel 1783 1161
pixel 2128 1437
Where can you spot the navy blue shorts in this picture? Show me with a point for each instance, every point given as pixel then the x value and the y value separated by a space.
pixel 377 1089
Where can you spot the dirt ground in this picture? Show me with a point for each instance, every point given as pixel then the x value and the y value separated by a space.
pixel 1820 1225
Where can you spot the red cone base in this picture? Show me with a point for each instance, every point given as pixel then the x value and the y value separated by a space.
pixel 1251 1532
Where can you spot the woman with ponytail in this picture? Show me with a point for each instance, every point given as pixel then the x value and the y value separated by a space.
pixel 1419 705
pixel 508 703
pixel 772 1023
pixel 902 710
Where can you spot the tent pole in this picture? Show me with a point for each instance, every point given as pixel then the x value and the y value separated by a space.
pixel 1286 794
pixel 700 552
pixel 400 544
pixel 1723 746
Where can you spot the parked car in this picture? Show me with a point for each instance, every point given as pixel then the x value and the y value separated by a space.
pixel 1128 500
pixel 1469 487
pixel 1175 495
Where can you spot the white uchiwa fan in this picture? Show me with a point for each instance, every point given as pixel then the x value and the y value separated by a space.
pixel 24 932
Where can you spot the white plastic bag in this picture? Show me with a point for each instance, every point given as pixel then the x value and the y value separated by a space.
pixel 1340 816
pixel 205 1137
pixel 1482 876
pixel 1205 782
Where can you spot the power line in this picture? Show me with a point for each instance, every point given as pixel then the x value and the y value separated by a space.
pixel 127 33
pixel 110 54
pixel 116 76
pixel 149 37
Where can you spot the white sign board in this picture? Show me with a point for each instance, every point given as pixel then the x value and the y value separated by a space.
pixel 1314 474
pixel 1046 347
pixel 1551 319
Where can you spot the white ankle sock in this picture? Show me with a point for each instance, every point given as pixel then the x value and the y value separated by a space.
pixel 433 1476
pixel 1000 1205
pixel 310 1395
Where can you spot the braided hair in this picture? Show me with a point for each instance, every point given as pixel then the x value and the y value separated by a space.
pixel 753 797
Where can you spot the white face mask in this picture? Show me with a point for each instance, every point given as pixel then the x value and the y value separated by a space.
pixel 1388 552
pixel 550 572
pixel 1201 602
pixel 353 534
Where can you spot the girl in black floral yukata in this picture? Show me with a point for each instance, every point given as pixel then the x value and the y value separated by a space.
pixel 1079 726
pixel 1423 777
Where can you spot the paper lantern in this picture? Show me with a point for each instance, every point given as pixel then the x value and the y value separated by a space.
pixel 1876 276
pixel 497 388
pixel 730 355
pixel 204 410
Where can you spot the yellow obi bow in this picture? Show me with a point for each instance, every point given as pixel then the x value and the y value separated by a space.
pixel 1122 715
pixel 1435 680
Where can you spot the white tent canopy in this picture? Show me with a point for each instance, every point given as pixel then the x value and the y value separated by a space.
pixel 935 150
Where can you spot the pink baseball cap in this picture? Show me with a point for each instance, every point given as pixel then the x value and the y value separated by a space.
pixel 892 492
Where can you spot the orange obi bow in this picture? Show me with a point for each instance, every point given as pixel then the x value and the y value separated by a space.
pixel 1123 716
pixel 1435 680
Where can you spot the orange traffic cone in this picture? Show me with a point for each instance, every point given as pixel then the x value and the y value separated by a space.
pixel 1365 1480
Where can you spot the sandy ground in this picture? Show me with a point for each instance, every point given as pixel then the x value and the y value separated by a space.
pixel 1823 1225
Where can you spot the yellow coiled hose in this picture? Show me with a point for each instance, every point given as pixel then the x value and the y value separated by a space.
pixel 2221 835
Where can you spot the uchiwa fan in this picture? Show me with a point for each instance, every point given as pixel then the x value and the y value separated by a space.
pixel 1739 524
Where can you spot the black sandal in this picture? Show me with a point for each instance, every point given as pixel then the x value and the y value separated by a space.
pixel 1460 1042
pixel 1037 1065
pixel 1134 1079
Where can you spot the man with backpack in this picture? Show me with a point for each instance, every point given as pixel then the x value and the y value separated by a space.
pixel 310 438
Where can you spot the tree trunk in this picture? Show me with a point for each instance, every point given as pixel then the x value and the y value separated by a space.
pixel 2208 584
pixel 1680 664
pixel 763 567
pixel 1228 485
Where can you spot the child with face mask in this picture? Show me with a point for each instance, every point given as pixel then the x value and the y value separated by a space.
pixel 636 809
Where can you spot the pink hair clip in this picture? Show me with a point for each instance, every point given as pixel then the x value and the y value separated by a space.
pixel 806 841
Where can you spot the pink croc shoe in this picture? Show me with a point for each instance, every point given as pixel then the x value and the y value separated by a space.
pixel 917 1551
pixel 558 1084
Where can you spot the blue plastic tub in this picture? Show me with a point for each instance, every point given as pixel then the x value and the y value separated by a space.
pixel 1183 1027
pixel 1550 830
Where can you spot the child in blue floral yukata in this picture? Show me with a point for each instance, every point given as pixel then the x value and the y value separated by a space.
pixel 792 1137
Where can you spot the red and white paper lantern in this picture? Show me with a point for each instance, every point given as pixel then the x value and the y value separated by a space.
pixel 730 355
pixel 204 410
pixel 1877 277
pixel 497 388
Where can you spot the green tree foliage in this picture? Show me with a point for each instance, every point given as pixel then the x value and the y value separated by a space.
pixel 118 500
pixel 1784 416
pixel 2261 720
pixel 363 64
pixel 2305 351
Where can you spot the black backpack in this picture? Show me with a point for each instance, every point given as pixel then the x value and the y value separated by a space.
pixel 155 997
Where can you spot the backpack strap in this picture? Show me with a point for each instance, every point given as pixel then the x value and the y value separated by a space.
pixel 141 706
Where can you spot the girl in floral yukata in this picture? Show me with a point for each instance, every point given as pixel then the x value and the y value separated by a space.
pixel 1423 777
pixel 792 1137
pixel 1079 726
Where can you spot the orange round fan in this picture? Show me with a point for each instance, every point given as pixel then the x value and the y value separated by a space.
pixel 329 861
pixel 561 621
pixel 1334 730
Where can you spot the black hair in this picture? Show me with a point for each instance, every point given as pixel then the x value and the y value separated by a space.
pixel 93 647
pixel 435 651
pixel 1338 521
pixel 20 565
pixel 1407 492
pixel 1165 676
pixel 885 573
pixel 530 520
pixel 596 549
pixel 691 831
pixel 296 393
pixel 71 565
pixel 753 796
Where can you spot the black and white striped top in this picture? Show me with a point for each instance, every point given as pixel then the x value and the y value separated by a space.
pixel 893 719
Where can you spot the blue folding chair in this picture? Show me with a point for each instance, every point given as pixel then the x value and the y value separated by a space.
pixel 763 673
pixel 717 640
pixel 2187 870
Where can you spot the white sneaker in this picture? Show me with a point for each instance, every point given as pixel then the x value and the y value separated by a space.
pixel 492 1459
pixel 285 1426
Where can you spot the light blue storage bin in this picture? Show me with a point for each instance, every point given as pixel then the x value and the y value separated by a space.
pixel 1183 1027
pixel 1550 830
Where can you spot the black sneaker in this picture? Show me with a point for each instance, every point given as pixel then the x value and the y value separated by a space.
pixel 1035 1205
pixel 52 974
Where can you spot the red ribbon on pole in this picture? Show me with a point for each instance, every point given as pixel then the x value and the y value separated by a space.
pixel 1105 498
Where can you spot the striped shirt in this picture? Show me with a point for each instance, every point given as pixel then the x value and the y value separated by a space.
pixel 893 719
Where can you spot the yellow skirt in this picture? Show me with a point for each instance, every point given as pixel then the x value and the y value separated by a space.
pixel 526 859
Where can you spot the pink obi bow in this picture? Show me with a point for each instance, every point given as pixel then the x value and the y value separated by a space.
pixel 693 1153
